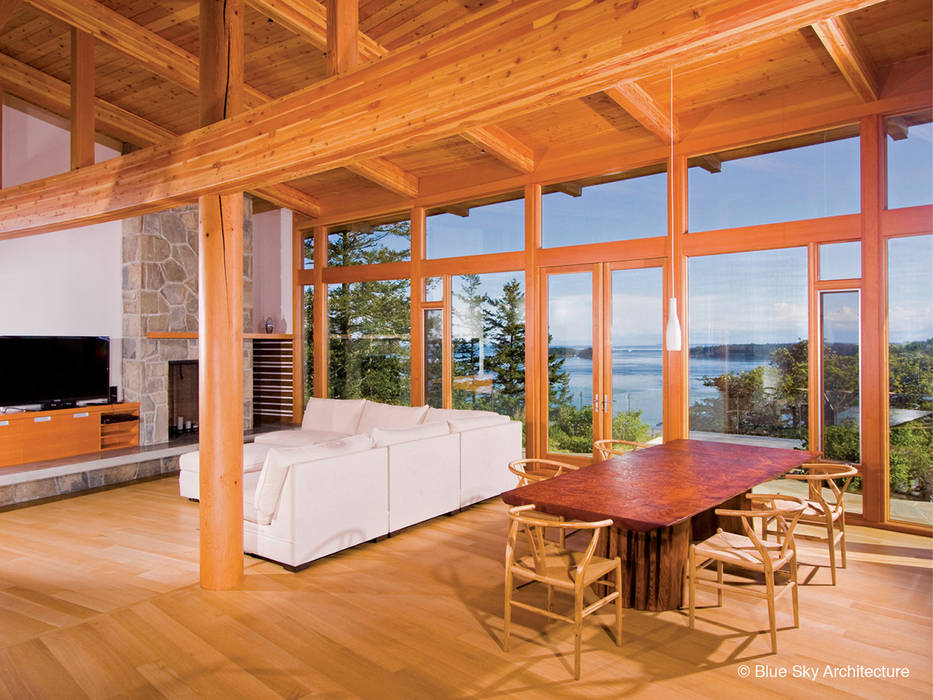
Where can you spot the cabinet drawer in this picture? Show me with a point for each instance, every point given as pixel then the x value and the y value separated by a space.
pixel 68 433
pixel 11 442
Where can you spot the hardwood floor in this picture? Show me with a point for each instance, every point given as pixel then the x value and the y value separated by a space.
pixel 99 598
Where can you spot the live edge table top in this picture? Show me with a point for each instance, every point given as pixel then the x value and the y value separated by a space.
pixel 659 486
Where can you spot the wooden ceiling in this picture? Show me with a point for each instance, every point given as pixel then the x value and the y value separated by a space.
pixel 146 91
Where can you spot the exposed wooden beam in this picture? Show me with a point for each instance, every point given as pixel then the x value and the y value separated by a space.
pixel 51 94
pixel 709 163
pixel 513 58
pixel 288 197
pixel 7 8
pixel 82 99
pixel 849 56
pixel 569 188
pixel 460 211
pixel 343 28
pixel 386 174
pixel 643 108
pixel 503 146
pixel 308 19
pixel 220 313
pixel 896 128
pixel 147 48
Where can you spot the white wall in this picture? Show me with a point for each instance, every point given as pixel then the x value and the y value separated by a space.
pixel 65 282
pixel 272 270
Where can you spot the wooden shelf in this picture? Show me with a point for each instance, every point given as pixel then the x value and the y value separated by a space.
pixel 192 335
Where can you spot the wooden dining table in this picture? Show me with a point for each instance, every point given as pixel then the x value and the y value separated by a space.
pixel 660 499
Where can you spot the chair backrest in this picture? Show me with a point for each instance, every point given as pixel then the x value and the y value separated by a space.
pixel 530 469
pixel 525 519
pixel 785 510
pixel 825 474
pixel 604 449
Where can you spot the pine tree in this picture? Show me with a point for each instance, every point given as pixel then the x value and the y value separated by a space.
pixel 505 321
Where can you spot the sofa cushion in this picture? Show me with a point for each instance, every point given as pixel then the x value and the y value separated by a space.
pixel 280 459
pixel 458 426
pixel 298 438
pixel 442 415
pixel 383 437
pixel 253 457
pixel 382 415
pixel 337 415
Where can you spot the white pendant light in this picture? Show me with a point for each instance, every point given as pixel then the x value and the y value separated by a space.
pixel 672 337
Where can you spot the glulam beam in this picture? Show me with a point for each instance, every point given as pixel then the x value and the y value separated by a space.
pixel 343 28
pixel 511 59
pixel 220 314
pixel 644 109
pixel 386 174
pixel 850 57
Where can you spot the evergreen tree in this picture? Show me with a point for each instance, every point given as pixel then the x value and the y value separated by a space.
pixel 505 321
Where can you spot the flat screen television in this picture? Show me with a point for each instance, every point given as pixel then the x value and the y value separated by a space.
pixel 53 370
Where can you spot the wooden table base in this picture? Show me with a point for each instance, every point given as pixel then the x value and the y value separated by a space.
pixel 653 562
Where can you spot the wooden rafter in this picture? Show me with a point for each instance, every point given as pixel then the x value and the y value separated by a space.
pixel 849 56
pixel 501 145
pixel 535 53
pixel 147 48
pixel 630 96
pixel 386 174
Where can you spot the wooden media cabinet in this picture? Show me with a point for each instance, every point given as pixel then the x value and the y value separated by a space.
pixel 34 436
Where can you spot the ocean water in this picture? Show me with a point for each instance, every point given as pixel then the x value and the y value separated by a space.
pixel 636 379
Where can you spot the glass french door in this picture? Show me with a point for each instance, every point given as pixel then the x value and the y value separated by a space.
pixel 603 365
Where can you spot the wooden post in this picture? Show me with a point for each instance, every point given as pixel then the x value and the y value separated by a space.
pixel 1 139
pixel 874 356
pixel 82 99
pixel 675 363
pixel 298 323
pixel 342 35
pixel 220 224
pixel 320 312
pixel 536 373
pixel 417 313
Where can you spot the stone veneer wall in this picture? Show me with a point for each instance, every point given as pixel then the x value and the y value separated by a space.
pixel 160 293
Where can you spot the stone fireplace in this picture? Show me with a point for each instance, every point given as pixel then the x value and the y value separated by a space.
pixel 160 295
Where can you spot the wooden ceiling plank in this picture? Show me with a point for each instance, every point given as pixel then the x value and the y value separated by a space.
pixel 7 8
pixel 386 174
pixel 850 58
pixel 643 108
pixel 503 146
pixel 523 55
pixel 147 48
pixel 82 112
pixel 308 19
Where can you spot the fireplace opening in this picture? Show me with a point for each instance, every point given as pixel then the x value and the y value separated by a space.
pixel 182 397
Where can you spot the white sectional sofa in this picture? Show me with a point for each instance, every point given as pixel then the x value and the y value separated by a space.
pixel 357 470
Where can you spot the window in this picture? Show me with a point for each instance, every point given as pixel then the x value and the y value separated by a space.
pixel 841 261
pixel 910 362
pixel 366 244
pixel 632 205
pixel 369 353
pixel 748 347
pixel 840 361
pixel 308 252
pixel 488 338
pixel 434 357
pixel 309 341
pixel 433 289
pixel 910 160
pixel 468 229
pixel 782 181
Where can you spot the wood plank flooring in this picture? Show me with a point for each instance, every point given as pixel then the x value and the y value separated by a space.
pixel 99 598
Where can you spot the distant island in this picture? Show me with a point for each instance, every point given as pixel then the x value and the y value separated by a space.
pixel 759 351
